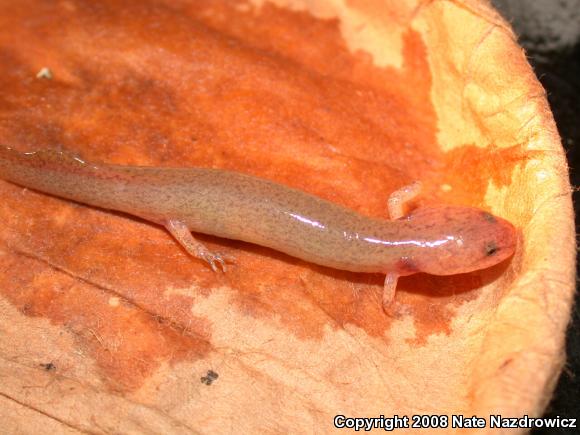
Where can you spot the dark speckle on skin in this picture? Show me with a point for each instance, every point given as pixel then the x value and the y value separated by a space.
pixel 489 217
pixel 490 249
pixel 407 265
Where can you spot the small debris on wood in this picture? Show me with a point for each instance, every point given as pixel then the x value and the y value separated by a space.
pixel 44 73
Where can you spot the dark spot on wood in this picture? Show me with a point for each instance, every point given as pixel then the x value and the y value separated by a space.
pixel 48 366
pixel 506 363
pixel 209 377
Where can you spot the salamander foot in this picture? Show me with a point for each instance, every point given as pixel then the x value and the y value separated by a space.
pixel 399 197
pixel 181 233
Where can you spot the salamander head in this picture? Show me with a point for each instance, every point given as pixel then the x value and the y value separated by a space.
pixel 460 240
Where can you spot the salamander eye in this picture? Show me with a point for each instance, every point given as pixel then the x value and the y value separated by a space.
pixel 490 249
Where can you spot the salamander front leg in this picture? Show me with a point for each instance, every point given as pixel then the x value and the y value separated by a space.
pixel 182 234
pixel 399 197
pixel 391 307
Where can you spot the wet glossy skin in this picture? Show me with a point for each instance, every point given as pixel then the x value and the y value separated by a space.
pixel 440 240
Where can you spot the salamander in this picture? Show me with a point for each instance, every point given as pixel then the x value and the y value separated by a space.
pixel 440 240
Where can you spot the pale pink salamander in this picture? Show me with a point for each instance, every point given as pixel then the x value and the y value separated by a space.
pixel 442 240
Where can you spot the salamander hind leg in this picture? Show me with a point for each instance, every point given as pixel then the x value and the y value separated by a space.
pixel 182 234
pixel 399 197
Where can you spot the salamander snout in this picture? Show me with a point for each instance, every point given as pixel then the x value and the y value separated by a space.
pixel 465 239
